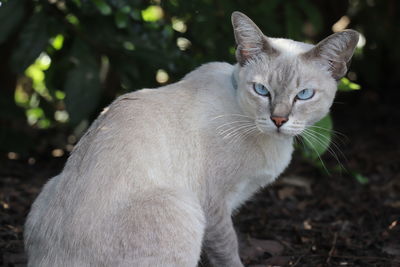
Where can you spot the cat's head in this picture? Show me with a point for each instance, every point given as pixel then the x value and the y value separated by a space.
pixel 287 85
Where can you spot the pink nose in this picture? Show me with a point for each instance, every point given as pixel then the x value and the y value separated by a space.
pixel 279 121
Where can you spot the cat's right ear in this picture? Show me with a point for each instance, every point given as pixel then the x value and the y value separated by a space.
pixel 249 38
pixel 335 51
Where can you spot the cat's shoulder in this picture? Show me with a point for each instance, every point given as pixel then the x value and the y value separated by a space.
pixel 210 75
pixel 210 69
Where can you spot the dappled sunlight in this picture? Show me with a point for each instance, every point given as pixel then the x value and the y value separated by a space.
pixel 129 46
pixel 152 13
pixel 361 41
pixel 341 24
pixel 178 25
pixel 183 43
pixel 36 73
pixel 57 42
pixel 346 85
pixel 12 155
pixel 61 116
pixel 162 76
pixel 57 153
pixel 393 225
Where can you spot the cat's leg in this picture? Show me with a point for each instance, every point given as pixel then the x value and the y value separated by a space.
pixel 220 242
pixel 152 229
pixel 160 229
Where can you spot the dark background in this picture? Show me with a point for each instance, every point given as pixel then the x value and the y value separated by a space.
pixel 63 61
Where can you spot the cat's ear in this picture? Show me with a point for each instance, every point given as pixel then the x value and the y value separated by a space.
pixel 336 51
pixel 249 38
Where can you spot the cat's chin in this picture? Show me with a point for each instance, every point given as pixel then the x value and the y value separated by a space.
pixel 277 133
pixel 288 132
pixel 283 134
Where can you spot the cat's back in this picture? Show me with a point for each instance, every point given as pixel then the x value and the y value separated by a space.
pixel 147 133
pixel 168 117
pixel 171 111
pixel 144 143
pixel 205 81
pixel 212 72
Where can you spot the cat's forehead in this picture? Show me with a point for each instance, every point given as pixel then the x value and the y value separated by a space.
pixel 286 61
pixel 284 70
pixel 282 73
pixel 281 69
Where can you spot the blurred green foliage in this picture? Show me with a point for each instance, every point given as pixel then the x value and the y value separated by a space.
pixel 63 61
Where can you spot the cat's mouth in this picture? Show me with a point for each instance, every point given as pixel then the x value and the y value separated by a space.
pixel 273 130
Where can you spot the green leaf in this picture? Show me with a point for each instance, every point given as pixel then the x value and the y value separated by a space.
pixel 34 114
pixel 82 87
pixel 36 73
pixel 125 9
pixel 77 3
pixel 82 91
pixel 121 19
pixel 346 85
pixel 71 18
pixel 135 14
pixel 58 41
pixel 102 6
pixel 317 138
pixel 152 13
pixel 32 41
pixel 361 178
pixel 11 14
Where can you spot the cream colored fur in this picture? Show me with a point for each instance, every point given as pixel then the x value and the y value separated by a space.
pixel 155 179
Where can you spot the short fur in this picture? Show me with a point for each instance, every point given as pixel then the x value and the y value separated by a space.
pixel 157 176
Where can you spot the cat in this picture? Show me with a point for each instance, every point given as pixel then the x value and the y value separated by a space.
pixel 157 176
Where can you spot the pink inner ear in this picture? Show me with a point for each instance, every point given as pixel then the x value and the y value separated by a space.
pixel 245 53
pixel 247 50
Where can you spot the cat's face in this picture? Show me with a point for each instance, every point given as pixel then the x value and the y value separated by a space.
pixel 286 85
pixel 284 94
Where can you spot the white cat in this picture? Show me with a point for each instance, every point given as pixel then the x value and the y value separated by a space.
pixel 156 177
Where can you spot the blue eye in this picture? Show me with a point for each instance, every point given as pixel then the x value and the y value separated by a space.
pixel 305 94
pixel 260 89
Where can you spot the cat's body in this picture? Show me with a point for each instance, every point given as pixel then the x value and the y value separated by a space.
pixel 158 174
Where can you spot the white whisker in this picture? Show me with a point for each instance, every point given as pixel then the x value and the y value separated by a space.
pixel 231 130
pixel 328 130
pixel 226 115
pixel 244 135
pixel 229 123
pixel 236 130
pixel 334 144
pixel 316 151
pixel 324 143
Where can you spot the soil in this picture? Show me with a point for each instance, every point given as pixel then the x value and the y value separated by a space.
pixel 307 218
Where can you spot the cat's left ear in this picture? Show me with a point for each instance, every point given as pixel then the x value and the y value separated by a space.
pixel 335 51
pixel 249 38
